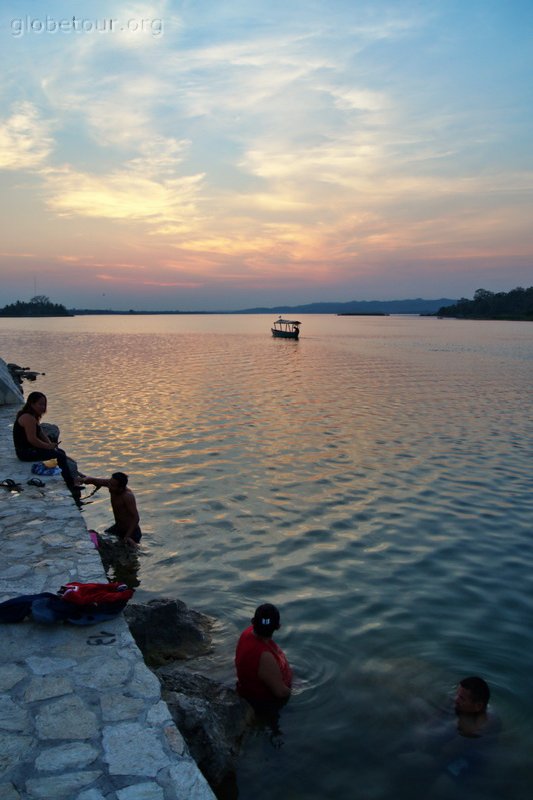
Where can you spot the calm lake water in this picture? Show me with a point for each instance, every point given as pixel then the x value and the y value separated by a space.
pixel 372 479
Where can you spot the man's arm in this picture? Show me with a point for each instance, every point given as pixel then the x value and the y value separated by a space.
pixel 97 481
pixel 270 673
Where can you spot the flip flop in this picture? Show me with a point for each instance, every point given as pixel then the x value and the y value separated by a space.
pixel 9 483
pixel 36 482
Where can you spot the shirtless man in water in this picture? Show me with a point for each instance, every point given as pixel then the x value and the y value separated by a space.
pixel 455 748
pixel 124 507
pixel 471 700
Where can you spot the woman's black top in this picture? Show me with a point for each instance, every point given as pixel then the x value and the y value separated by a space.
pixel 20 440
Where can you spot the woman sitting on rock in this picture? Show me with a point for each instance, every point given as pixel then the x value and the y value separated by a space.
pixel 32 443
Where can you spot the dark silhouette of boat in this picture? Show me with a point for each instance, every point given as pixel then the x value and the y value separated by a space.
pixel 286 328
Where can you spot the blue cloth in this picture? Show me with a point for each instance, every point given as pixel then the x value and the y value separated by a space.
pixel 40 469
pixel 49 608
pixel 18 608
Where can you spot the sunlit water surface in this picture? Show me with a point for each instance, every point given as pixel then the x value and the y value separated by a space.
pixel 372 479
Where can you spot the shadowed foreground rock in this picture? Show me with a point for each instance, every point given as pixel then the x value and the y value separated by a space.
pixel 167 630
pixel 211 718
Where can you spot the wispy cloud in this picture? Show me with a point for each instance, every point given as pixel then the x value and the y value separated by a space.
pixel 25 138
pixel 124 195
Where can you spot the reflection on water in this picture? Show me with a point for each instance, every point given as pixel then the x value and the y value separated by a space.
pixel 372 479
pixel 121 563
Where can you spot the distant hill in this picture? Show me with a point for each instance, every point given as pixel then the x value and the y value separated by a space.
pixel 514 305
pixel 416 306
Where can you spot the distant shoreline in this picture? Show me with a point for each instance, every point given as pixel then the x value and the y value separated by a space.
pixel 112 313
pixel 482 319
pixel 41 306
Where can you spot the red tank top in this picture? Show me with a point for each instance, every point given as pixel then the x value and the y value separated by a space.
pixel 247 656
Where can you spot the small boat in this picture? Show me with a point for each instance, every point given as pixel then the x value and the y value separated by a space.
pixel 286 328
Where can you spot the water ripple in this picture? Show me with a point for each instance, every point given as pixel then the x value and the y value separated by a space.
pixel 372 479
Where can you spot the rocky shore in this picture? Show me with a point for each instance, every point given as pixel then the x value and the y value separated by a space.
pixel 82 717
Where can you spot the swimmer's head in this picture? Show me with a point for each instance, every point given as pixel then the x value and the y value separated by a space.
pixel 266 620
pixel 472 696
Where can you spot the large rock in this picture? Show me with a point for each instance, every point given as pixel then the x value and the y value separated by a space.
pixel 9 391
pixel 211 718
pixel 166 630
pixel 51 430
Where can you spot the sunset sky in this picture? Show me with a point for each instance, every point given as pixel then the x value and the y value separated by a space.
pixel 217 155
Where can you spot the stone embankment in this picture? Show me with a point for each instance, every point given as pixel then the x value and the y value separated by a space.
pixel 81 716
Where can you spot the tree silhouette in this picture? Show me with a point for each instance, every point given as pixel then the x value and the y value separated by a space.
pixel 516 304
pixel 38 306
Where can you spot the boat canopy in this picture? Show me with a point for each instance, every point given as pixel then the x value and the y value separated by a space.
pixel 287 322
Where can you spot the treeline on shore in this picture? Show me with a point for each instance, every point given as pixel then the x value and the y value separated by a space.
pixel 514 305
pixel 39 306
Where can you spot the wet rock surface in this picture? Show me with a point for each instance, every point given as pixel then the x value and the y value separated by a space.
pixel 211 717
pixel 166 630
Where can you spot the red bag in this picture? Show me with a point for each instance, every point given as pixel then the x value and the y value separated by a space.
pixel 86 594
